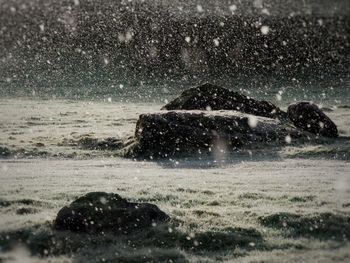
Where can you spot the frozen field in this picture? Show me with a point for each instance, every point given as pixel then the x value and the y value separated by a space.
pixel 229 210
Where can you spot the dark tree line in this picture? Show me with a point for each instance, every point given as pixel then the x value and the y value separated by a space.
pixel 116 35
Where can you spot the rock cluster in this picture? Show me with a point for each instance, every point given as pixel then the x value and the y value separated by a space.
pixel 209 116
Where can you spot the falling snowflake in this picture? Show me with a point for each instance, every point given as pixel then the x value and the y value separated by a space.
pixel 264 30
pixel 216 42
pixel 288 139
pixel 200 9
pixel 252 121
pixel 233 8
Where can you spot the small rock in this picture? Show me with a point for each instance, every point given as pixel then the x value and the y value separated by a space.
pixel 311 118
pixel 98 211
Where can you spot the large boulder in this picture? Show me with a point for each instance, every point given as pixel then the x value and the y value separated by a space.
pixel 214 97
pixel 162 134
pixel 311 118
pixel 99 211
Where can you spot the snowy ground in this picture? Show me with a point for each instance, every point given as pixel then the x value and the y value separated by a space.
pixel 201 196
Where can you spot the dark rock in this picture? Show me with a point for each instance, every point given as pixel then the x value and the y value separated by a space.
pixel 167 133
pixel 309 117
pixel 98 211
pixel 213 97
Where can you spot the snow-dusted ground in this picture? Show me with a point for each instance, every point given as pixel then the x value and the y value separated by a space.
pixel 43 173
pixel 57 128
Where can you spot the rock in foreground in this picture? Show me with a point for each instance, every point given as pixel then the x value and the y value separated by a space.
pixel 209 96
pixel 309 117
pixel 99 211
pixel 167 133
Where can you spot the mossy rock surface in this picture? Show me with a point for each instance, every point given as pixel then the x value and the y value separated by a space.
pixel 99 211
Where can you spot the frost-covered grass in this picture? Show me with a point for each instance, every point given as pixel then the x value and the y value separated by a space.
pixel 78 130
pixel 252 206
pixel 275 211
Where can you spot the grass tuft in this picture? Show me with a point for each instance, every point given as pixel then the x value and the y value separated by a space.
pixel 26 210
pixel 322 226
pixel 302 199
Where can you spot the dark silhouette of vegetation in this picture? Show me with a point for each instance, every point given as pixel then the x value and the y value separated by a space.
pixel 59 43
pixel 321 226
pixel 159 244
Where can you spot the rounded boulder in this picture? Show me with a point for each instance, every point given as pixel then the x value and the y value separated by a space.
pixel 311 118
pixel 99 211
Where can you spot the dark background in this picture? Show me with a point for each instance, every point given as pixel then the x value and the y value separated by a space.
pixel 48 45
